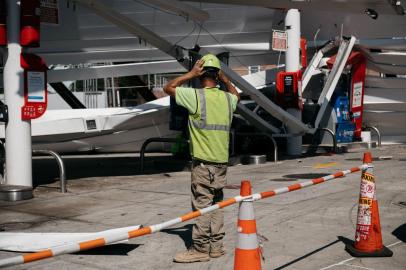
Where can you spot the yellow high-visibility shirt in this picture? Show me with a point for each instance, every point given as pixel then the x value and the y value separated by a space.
pixel 210 115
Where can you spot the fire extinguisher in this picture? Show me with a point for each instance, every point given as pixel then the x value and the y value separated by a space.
pixel 3 23
pixel 30 23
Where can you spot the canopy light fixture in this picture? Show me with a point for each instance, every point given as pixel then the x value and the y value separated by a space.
pixel 397 6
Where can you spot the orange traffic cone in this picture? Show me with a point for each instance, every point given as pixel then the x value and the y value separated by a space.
pixel 247 253
pixel 368 237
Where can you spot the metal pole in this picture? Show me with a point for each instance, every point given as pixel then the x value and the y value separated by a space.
pixel 275 149
pixel 292 24
pixel 113 92
pixel 18 131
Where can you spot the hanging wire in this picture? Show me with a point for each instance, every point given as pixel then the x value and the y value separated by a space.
pixel 173 14
pixel 201 26
pixel 198 35
pixel 231 54
pixel 157 8
pixel 315 38
pixel 187 35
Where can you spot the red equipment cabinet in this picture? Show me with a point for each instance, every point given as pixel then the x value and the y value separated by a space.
pixel 357 62
pixel 303 52
pixel 35 86
pixel 3 23
pixel 30 23
pixel 357 92
pixel 289 90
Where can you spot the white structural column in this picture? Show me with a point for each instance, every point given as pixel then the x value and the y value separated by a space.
pixel 18 132
pixel 292 24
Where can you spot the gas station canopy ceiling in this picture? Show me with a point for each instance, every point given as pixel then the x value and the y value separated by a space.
pixel 241 27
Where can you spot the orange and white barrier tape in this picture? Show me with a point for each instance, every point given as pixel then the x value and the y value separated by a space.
pixel 113 237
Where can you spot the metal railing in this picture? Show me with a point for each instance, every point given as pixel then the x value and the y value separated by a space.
pixel 61 165
pixel 332 135
pixel 151 140
pixel 275 148
pixel 378 133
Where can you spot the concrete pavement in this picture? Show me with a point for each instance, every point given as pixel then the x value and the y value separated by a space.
pixel 306 229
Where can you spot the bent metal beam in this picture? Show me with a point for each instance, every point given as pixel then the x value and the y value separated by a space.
pixel 112 236
pixel 177 52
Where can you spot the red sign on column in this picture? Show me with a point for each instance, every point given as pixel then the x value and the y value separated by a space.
pixel 35 86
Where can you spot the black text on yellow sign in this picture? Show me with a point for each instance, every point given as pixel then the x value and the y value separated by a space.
pixel 365 201
pixel 368 177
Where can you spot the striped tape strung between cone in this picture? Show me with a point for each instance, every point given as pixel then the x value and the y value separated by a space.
pixel 113 237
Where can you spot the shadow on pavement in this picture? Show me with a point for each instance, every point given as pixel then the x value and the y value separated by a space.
pixel 121 249
pixel 45 170
pixel 305 175
pixel 345 240
pixel 307 255
pixel 185 233
pixel 400 233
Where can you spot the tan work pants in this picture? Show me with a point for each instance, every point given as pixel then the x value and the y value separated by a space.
pixel 208 182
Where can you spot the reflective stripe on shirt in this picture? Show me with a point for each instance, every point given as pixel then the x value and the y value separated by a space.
pixel 202 123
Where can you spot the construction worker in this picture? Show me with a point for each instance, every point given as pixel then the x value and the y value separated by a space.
pixel 210 115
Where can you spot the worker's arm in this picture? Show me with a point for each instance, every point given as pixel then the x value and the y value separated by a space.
pixel 230 87
pixel 197 70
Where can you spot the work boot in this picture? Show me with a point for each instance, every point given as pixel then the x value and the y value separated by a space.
pixel 217 253
pixel 191 255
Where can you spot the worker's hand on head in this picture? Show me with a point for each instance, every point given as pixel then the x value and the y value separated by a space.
pixel 197 69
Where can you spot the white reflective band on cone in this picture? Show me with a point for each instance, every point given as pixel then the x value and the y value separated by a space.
pixel 247 241
pixel 246 211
